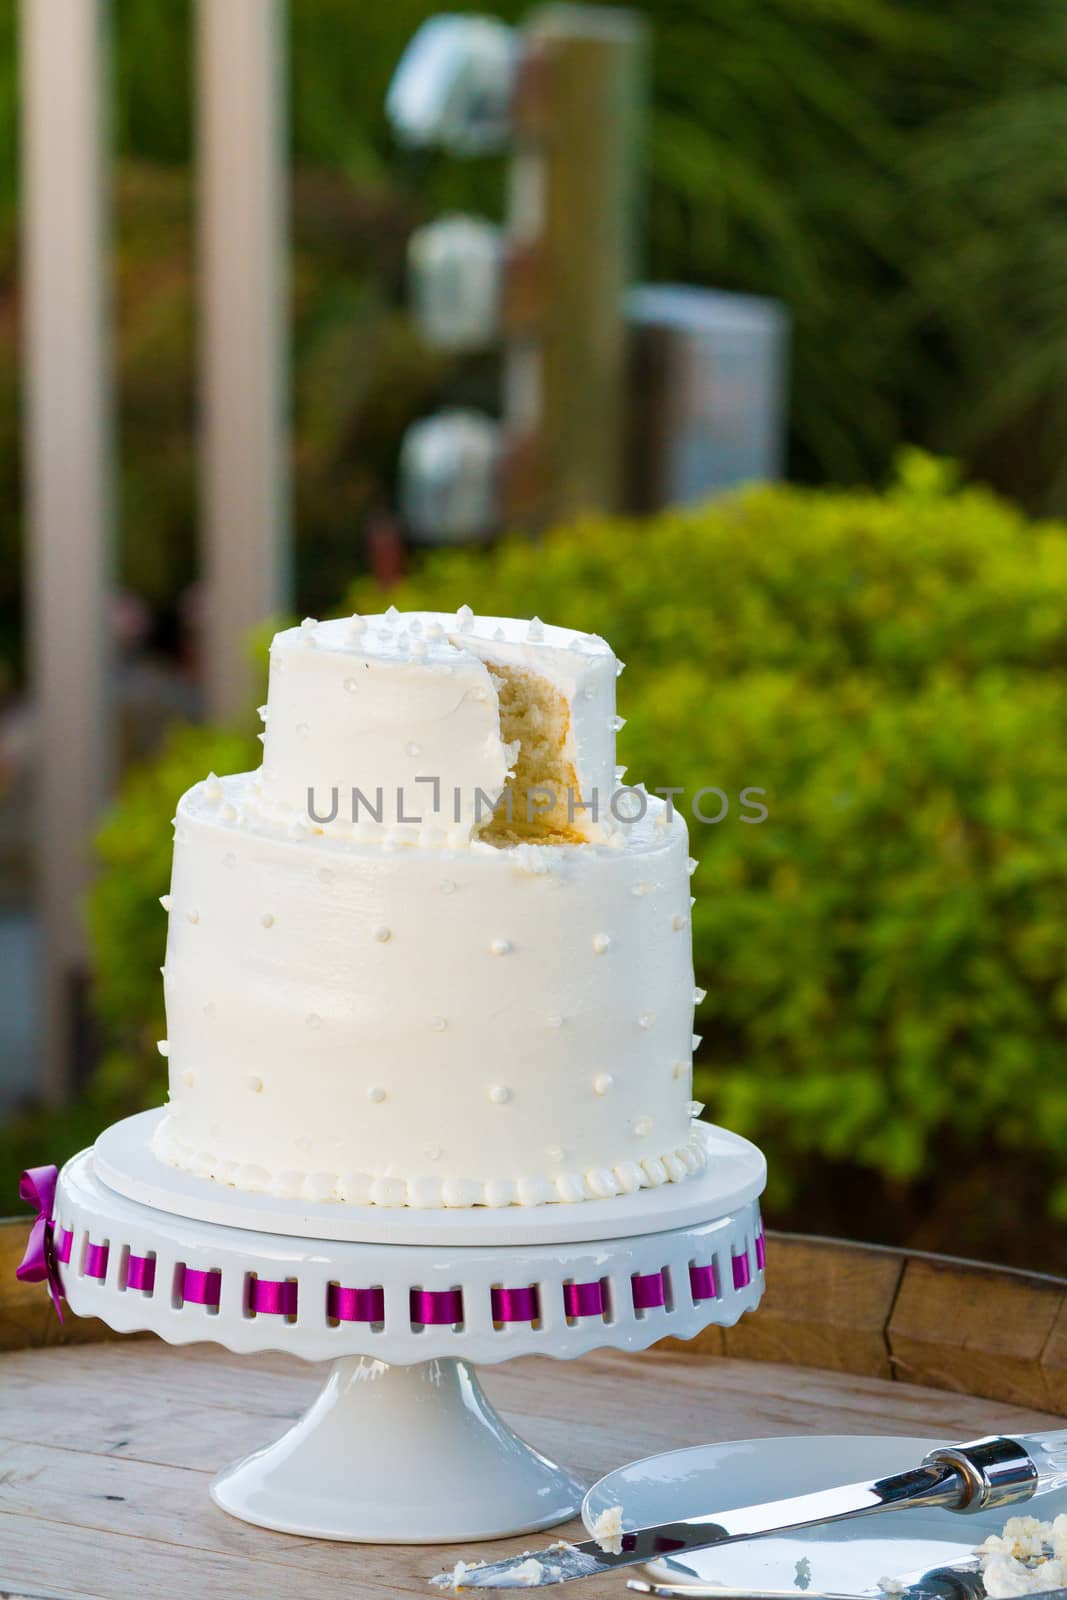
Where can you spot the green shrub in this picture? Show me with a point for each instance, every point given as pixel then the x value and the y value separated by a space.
pixel 883 956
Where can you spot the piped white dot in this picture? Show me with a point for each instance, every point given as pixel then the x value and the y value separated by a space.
pixel 618 724
pixel 680 1069
pixel 647 1019
pixel 641 888
pixel 601 943
pixel 351 685
pixel 313 1020
pixel 699 995
pixel 308 624
pixel 189 1079
pixel 643 1127
pixel 698 1039
pixel 554 1020
pixel 412 749
pixel 192 916
pixel 536 630
pixel 446 886
pixel 603 1083
pixel 163 1047
pixel 267 919
pixel 434 1152
pixel 500 1094
pixel 438 1024
pixel 679 921
pixel 376 1094
pixel 255 1083
pixel 303 729
pixel 465 619
pixel 691 865
pixel 501 947
pixel 229 812
pixel 383 934
pixel 164 901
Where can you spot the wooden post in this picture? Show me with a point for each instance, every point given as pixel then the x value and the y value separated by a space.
pixel 243 360
pixel 68 425
pixel 574 209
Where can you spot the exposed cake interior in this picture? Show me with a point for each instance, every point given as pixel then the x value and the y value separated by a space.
pixel 535 721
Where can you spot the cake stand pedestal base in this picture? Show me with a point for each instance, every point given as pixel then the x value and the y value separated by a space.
pixel 380 1441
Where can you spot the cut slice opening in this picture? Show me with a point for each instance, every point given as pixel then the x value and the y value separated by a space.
pixel 535 721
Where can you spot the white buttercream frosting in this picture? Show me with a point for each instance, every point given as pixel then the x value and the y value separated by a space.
pixel 393 1019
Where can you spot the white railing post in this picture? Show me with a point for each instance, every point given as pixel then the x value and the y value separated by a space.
pixel 243 249
pixel 67 433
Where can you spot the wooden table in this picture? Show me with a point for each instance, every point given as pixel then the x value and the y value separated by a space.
pixel 106 1449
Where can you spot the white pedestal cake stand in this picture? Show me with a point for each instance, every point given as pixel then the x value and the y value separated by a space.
pixel 401 1445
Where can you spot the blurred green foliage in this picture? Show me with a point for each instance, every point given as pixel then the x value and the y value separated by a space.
pixel 889 168
pixel 883 955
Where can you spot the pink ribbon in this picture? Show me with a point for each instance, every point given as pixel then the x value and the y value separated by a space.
pixel 583 1299
pixel 355 1305
pixel 516 1305
pixel 272 1298
pixel 436 1308
pixel 37 1187
pixel 649 1291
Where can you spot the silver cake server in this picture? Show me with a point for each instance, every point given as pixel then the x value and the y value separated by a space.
pixel 977 1476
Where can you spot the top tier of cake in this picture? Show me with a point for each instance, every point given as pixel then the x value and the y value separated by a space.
pixel 438 729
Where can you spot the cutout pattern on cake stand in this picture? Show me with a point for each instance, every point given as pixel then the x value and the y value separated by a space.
pixel 402 1445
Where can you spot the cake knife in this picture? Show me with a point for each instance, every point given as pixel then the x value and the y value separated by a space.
pixel 977 1476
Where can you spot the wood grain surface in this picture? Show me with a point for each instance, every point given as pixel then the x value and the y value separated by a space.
pixel 106 1453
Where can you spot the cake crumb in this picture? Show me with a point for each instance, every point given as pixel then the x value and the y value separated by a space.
pixel 607 1530
pixel 1027 1557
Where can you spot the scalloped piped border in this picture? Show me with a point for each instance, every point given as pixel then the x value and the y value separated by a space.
pixel 435 1193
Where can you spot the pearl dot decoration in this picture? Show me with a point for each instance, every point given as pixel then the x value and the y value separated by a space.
pixel 646 1019
pixel 267 919
pixel 680 1069
pixel 641 888
pixel 447 886
pixel 163 1047
pixel 376 1094
pixel 501 947
pixel 412 749
pixel 643 1127
pixel 303 729
pixel 255 1083
pixel 603 1083
pixel 438 1024
pixel 164 901
pixel 500 1094
pixel 554 1020
pixel 351 685
pixel 192 916
pixel 601 943
pixel 189 1079
pixel 383 934
pixel 678 921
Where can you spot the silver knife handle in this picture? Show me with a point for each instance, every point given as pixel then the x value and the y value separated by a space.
pixel 1002 1472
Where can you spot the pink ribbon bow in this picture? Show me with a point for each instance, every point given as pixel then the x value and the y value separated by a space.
pixel 37 1187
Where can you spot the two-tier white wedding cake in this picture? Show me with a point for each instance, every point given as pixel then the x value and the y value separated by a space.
pixel 430 954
